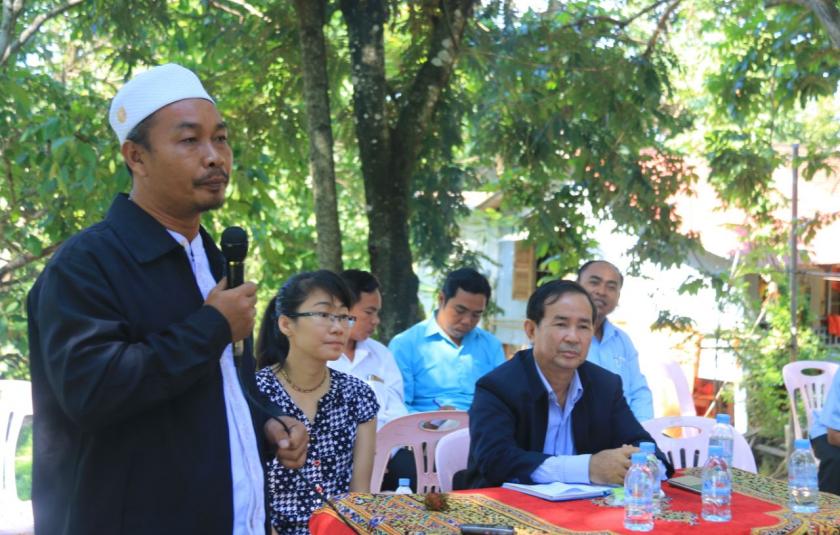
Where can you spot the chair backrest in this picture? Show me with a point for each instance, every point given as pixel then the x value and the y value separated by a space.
pixel 411 430
pixel 692 450
pixel 812 388
pixel 677 376
pixel 15 405
pixel 451 455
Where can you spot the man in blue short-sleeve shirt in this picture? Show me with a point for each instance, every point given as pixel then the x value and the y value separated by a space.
pixel 442 357
pixel 825 438
pixel 611 347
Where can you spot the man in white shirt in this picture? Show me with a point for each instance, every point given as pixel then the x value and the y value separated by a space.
pixel 366 358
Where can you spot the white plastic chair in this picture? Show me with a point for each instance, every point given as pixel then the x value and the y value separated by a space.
pixel 692 450
pixel 15 406
pixel 451 455
pixel 812 388
pixel 677 376
pixel 409 431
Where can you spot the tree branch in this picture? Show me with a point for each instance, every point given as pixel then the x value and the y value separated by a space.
pixel 12 47
pixel 425 91
pixel 621 23
pixel 10 179
pixel 249 8
pixel 663 23
pixel 777 3
pixel 7 22
pixel 226 9
pixel 26 259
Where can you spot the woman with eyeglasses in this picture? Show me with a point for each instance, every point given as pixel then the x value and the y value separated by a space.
pixel 305 326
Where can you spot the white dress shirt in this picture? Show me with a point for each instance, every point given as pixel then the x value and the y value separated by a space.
pixel 246 469
pixel 374 364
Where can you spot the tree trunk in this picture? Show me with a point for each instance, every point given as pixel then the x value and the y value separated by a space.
pixel 386 193
pixel 11 11
pixel 389 154
pixel 829 16
pixel 825 10
pixel 311 16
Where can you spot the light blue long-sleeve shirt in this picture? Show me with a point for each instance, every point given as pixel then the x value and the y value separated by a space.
pixel 563 465
pixel 438 372
pixel 616 353
pixel 829 416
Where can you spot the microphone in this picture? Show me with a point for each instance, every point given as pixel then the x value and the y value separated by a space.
pixel 235 249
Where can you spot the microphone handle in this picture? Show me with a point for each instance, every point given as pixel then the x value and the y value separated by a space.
pixel 236 276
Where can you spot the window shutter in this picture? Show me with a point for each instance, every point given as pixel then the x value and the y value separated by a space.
pixel 524 271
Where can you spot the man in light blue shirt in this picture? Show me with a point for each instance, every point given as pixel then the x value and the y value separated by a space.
pixel 442 357
pixel 611 347
pixel 825 438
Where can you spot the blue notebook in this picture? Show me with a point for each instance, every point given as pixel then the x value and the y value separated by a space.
pixel 557 492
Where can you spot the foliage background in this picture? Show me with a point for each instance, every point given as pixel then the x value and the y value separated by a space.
pixel 579 113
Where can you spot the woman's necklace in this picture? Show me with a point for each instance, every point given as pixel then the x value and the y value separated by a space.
pixel 303 390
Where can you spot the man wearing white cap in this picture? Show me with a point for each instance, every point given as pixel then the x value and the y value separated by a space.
pixel 141 425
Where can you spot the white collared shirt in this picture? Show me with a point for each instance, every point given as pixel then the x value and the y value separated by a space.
pixel 374 364
pixel 246 469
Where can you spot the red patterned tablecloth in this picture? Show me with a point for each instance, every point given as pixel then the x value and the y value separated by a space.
pixel 759 506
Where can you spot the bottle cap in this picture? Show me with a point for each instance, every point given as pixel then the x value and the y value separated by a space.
pixel 802 444
pixel 647 447
pixel 639 457
pixel 404 482
pixel 722 419
pixel 716 451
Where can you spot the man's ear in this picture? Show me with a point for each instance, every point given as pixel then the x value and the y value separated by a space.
pixel 134 156
pixel 530 328
pixel 441 299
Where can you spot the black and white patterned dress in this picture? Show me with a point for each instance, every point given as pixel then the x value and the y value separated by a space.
pixel 329 459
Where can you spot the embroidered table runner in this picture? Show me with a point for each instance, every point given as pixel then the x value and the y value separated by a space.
pixel 759 506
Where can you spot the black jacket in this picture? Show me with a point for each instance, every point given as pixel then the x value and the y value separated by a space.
pixel 130 432
pixel 509 416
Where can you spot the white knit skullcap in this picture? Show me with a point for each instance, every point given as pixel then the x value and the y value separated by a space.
pixel 148 92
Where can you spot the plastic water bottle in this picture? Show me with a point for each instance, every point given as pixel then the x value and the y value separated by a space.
pixel 803 492
pixel 722 435
pixel 649 449
pixel 717 487
pixel 403 486
pixel 638 495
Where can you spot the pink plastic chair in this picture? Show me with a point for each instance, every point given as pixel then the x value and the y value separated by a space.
pixel 812 388
pixel 409 431
pixel 692 450
pixel 451 456
pixel 15 406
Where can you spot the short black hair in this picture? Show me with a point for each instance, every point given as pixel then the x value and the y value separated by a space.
pixel 550 292
pixel 272 344
pixel 359 282
pixel 585 265
pixel 140 135
pixel 467 279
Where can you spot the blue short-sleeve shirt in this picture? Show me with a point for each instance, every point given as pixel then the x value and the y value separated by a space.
pixel 829 416
pixel 438 372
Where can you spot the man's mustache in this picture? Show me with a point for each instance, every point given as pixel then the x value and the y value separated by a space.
pixel 212 176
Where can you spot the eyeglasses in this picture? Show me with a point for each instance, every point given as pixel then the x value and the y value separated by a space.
pixel 325 318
